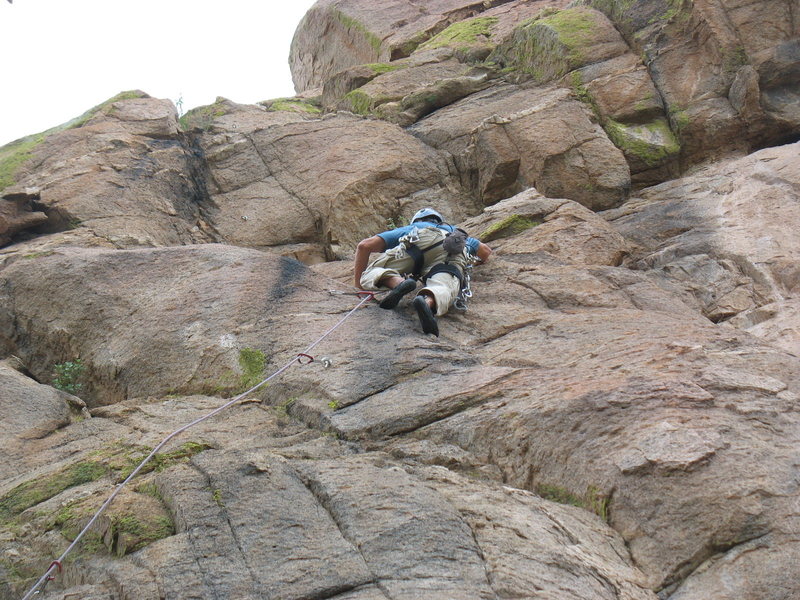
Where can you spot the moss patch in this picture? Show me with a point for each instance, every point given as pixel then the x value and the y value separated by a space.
pixel 14 155
pixel 550 45
pixel 41 254
pixel 574 27
pixel 104 108
pixel 203 117
pixel 18 573
pixel 353 24
pixel 292 105
pixel 592 500
pixel 122 460
pixel 652 143
pixel 253 362
pixel 381 68
pixel 583 94
pixel 508 227
pixel 615 10
pixel 116 461
pixel 674 10
pixel 120 530
pixel 733 59
pixel 360 102
pixel 463 34
pixel 678 118
pixel 37 491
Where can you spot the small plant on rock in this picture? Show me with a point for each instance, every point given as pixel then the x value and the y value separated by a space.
pixel 66 376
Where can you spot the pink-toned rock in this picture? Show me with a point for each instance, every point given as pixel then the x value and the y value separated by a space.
pixel 723 236
pixel 529 223
pixel 123 173
pixel 410 90
pixel 701 55
pixel 283 178
pixel 509 138
pixel 337 34
pixel 17 214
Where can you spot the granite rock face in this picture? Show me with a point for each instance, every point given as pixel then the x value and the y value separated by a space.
pixel 617 415
pixel 672 84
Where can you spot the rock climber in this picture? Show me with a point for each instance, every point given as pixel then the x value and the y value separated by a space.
pixel 429 249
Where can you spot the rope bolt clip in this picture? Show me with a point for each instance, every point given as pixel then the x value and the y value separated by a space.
pixel 301 356
pixel 57 564
pixel 366 294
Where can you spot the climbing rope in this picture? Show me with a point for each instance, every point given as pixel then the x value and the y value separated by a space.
pixel 302 358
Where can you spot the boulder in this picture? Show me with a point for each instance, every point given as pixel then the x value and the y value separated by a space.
pixel 17 213
pixel 142 300
pixel 29 410
pixel 510 137
pixel 556 42
pixel 529 224
pixel 337 34
pixel 279 178
pixel 407 91
pixel 120 171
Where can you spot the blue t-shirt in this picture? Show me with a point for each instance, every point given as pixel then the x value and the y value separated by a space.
pixel 392 238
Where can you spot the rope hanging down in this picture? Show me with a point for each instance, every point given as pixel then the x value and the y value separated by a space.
pixel 302 358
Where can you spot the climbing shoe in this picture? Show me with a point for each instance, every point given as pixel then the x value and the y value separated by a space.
pixel 426 318
pixel 393 298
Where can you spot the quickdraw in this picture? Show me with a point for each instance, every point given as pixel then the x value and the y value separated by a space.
pixel 302 355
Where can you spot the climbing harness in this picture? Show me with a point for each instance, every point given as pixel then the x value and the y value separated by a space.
pixel 455 243
pixel 302 358
pixel 452 241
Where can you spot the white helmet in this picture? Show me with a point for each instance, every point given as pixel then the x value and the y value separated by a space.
pixel 427 214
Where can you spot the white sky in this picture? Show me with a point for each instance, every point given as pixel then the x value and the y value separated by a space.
pixel 62 57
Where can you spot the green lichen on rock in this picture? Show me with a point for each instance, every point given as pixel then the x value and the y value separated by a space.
pixel 679 118
pixel 251 371
pixel 138 530
pixel 674 10
pixel 253 362
pixel 120 530
pixel 592 500
pixel 360 102
pixel 103 108
pixel 652 144
pixel 353 24
pixel 18 152
pixel 462 34
pixel 120 460
pixel 381 68
pixel 573 27
pixel 292 105
pixel 508 227
pixel 615 10
pixel 14 155
pixel 645 103
pixel 733 59
pixel 582 92
pixel 34 492
pixel 549 45
pixel 203 117
pixel 16 573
